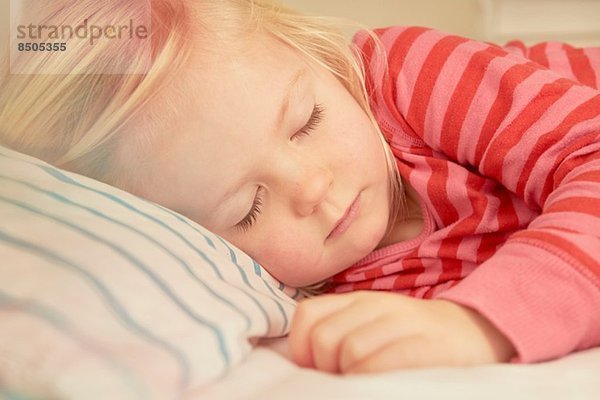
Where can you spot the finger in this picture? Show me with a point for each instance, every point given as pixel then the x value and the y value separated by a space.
pixel 328 335
pixel 308 313
pixel 369 338
pixel 409 352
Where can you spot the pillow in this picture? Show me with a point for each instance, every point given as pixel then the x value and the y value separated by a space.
pixel 106 295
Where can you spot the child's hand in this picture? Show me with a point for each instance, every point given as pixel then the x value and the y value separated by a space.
pixel 374 331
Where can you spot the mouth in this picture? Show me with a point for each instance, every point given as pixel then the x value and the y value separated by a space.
pixel 346 220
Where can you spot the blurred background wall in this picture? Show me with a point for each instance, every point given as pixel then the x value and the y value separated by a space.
pixel 573 21
pixel 456 16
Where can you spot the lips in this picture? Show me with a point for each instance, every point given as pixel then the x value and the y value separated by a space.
pixel 346 220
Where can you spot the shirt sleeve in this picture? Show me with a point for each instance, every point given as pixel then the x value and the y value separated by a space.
pixel 508 115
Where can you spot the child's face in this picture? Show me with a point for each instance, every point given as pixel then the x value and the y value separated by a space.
pixel 234 152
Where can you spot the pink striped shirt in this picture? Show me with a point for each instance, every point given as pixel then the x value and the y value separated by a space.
pixel 502 146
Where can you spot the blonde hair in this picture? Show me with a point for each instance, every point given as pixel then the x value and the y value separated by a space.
pixel 69 117
pixel 75 120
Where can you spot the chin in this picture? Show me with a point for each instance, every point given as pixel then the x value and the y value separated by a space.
pixel 293 276
pixel 370 242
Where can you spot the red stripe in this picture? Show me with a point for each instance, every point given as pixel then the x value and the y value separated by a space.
pixel 367 52
pixel 588 110
pixel 463 97
pixel 427 78
pixel 508 219
pixel 585 205
pixel 448 251
pixel 580 65
pixel 502 105
pixel 374 273
pixel 573 163
pixel 414 264
pixel 489 244
pixel 537 53
pixel 519 45
pixel 588 176
pixel 429 293
pixel 565 245
pixel 402 44
pixel 508 222
pixel 437 192
pixel 451 267
pixel 396 58
pixel 404 281
pixel 549 94
pixel 362 285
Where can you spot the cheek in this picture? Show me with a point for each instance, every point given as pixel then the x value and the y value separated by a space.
pixel 289 259
pixel 360 143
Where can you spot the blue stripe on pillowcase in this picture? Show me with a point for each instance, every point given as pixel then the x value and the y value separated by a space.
pixel 280 307
pixel 133 260
pixel 181 262
pixel 59 323
pixel 118 309
pixel 245 279
pixel 257 266
pixel 185 221
pixel 257 271
pixel 281 287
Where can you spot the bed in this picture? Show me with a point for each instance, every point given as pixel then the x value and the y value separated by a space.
pixel 104 295
pixel 268 374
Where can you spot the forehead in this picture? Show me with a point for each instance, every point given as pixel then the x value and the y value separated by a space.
pixel 246 82
pixel 242 71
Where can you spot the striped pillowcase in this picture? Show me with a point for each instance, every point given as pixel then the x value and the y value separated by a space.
pixel 105 295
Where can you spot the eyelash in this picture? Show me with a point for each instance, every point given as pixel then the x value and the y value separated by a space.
pixel 250 218
pixel 315 118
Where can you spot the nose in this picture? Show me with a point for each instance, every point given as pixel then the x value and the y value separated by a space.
pixel 310 184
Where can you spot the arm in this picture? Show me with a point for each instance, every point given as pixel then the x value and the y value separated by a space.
pixel 579 64
pixel 536 132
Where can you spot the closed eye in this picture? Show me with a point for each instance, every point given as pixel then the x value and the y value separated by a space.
pixel 248 222
pixel 313 122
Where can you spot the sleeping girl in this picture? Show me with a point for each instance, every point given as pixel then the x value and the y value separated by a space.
pixel 440 196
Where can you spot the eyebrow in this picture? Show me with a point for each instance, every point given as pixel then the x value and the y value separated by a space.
pixel 283 110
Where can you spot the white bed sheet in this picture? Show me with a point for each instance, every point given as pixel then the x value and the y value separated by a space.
pixel 268 374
